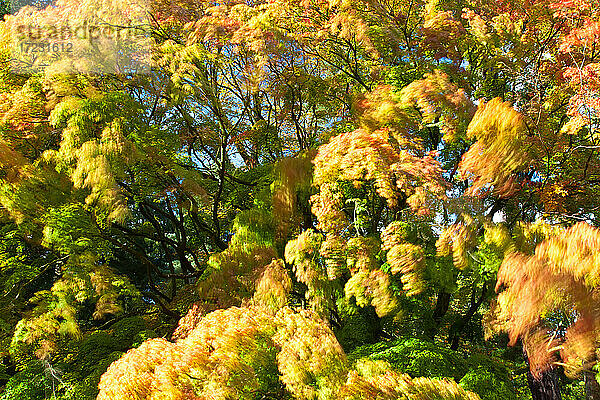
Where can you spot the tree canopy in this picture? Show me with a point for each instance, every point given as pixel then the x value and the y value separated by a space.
pixel 367 199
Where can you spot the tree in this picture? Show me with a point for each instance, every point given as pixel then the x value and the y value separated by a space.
pixel 303 196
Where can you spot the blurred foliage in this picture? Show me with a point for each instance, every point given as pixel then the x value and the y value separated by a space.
pixel 301 199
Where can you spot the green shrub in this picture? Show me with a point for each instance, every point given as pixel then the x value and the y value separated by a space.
pixel 28 384
pixel 125 331
pixel 420 358
pixel 484 375
pixel 93 350
pixel 356 330
pixel 142 336
pixel 487 385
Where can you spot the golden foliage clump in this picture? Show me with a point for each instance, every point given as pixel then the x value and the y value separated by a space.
pixel 441 32
pixel 55 311
pixel 248 267
pixel 12 163
pixel 273 287
pixel 319 260
pixel 558 281
pixel 312 363
pixel 369 284
pixel 333 250
pixel 132 376
pixel 408 259
pixel 93 160
pixel 292 175
pixel 22 109
pixel 233 353
pixel 94 171
pixel 500 150
pixel 527 236
pixel 361 254
pixel 222 357
pixel 362 155
pixel 189 321
pixel 383 108
pixel 327 207
pixel 396 233
pixel 440 102
pixel 384 152
pixel 303 254
pixel 372 287
pixel 457 240
pixel 498 236
pixel 233 275
pixel 405 258
pixel 376 380
pixel 245 353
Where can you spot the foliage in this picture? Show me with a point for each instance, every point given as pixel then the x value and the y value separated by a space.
pixel 566 261
pixel 488 377
pixel 391 385
pixel 233 352
pixel 254 188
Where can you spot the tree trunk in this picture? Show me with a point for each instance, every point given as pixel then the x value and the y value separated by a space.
pixel 458 326
pixel 441 308
pixel 592 388
pixel 546 387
